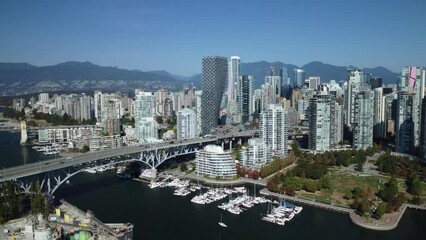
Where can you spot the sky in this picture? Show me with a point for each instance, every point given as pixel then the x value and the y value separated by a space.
pixel 174 35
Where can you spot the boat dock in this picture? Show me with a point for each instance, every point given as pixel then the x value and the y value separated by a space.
pixel 266 192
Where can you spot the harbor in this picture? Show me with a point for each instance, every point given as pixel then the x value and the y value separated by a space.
pixel 239 199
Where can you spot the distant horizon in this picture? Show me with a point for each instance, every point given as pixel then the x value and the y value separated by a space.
pixel 175 35
pixel 196 73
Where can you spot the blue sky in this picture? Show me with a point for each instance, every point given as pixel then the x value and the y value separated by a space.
pixel 174 35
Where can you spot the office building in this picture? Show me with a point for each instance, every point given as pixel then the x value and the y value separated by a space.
pixel 298 77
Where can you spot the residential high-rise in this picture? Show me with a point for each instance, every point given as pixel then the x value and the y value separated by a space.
pixel 214 78
pixel 413 80
pixel 274 130
pixel 274 83
pixel 322 128
pixel 379 114
pixel 363 119
pixel 186 124
pixel 233 76
pixel 145 113
pixel 198 95
pixel 299 77
pixel 98 105
pixel 338 124
pixel 245 97
pixel 43 97
pixel 254 154
pixel 354 82
pixel 405 127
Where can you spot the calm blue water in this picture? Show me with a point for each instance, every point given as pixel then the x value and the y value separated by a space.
pixel 157 214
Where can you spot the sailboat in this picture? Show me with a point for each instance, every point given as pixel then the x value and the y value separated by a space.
pixel 222 224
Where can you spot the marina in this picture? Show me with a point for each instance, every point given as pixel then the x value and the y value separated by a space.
pixel 239 199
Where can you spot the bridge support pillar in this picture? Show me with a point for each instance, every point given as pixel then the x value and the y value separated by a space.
pixel 153 173
pixel 230 145
pixel 223 145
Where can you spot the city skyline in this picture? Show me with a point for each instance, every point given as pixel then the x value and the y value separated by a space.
pixel 138 35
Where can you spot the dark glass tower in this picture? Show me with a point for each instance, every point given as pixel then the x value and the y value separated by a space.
pixel 214 78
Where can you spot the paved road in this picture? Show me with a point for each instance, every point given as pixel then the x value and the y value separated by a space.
pixel 63 162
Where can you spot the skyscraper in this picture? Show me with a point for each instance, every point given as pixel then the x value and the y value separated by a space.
pixel 322 123
pixel 404 122
pixel 274 83
pixel 198 95
pixel 274 130
pixel 245 96
pixel 363 119
pixel 285 83
pixel 353 84
pixel 214 77
pixel 413 80
pixel 379 114
pixel 233 76
pixel 299 77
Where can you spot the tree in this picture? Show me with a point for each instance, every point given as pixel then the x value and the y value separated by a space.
pixel 359 167
pixel 295 148
pixel 364 206
pixel 413 184
pixel 380 210
pixel 86 148
pixel 310 186
pixel 160 120
pixel 183 167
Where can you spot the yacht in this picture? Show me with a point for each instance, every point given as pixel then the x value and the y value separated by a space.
pixel 297 210
pixel 221 223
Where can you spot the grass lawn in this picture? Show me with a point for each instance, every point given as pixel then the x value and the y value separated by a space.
pixel 343 183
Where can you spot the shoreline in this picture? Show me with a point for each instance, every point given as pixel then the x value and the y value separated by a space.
pixel 392 219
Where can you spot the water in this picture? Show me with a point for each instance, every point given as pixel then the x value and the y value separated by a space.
pixel 157 214
pixel 13 154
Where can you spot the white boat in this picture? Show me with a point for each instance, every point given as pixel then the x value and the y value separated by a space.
pixel 221 223
pixel 297 210
pixel 198 200
pixel 234 210
pixel 90 170
pixel 120 169
pixel 268 219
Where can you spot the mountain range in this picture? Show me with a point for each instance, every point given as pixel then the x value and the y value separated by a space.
pixel 22 78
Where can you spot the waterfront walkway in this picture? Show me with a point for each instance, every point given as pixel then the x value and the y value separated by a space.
pixel 266 192
pixel 388 222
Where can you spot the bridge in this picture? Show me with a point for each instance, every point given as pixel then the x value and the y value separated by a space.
pixel 51 174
